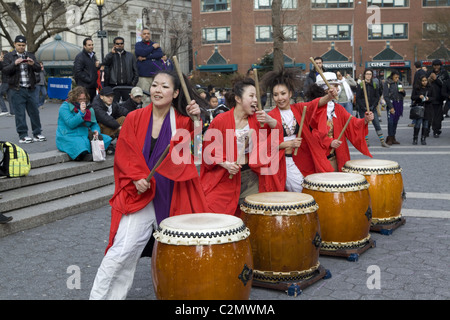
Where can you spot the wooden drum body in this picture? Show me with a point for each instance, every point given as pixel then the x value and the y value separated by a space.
pixel 202 256
pixel 386 187
pixel 285 236
pixel 344 209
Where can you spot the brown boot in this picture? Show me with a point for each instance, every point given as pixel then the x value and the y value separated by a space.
pixel 389 140
pixel 394 141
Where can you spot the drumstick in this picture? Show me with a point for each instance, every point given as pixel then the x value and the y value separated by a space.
pixel 183 85
pixel 343 130
pixel 242 153
pixel 258 94
pixel 320 72
pixel 365 96
pixel 301 127
pixel 161 158
pixel 198 145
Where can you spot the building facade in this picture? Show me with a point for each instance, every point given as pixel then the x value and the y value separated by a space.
pixel 169 22
pixel 350 35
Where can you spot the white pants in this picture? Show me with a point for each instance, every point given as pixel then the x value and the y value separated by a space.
pixel 294 178
pixel 115 275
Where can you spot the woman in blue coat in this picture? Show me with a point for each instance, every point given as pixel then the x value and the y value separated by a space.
pixel 74 121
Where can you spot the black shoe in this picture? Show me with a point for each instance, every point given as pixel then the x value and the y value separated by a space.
pixel 87 157
pixel 436 135
pixel 423 141
pixel 414 141
pixel 4 219
pixel 111 149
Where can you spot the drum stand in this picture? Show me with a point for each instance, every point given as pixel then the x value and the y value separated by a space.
pixel 387 228
pixel 352 254
pixel 294 288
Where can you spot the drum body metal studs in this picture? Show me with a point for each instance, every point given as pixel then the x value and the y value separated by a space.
pixel 203 256
pixel 386 189
pixel 344 211
pixel 285 237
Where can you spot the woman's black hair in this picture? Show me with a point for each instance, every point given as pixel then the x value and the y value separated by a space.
pixel 314 92
pixel 288 77
pixel 180 102
pixel 418 85
pixel 393 73
pixel 239 86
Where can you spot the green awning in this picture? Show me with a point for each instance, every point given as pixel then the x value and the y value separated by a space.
pixel 218 68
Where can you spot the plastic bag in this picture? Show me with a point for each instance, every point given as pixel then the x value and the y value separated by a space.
pixel 98 150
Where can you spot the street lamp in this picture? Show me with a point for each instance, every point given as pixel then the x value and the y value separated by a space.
pixel 100 4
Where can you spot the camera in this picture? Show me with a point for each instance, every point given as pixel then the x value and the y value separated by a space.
pixel 25 59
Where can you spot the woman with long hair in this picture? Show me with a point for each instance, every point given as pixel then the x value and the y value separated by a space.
pixel 393 94
pixel 138 205
pixel 282 86
pixel 422 95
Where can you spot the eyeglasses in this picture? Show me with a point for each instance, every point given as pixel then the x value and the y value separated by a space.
pixel 119 43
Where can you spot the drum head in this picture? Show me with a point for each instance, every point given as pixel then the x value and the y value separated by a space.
pixel 279 203
pixel 335 182
pixel 372 166
pixel 201 229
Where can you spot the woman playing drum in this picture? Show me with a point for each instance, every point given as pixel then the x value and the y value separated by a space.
pixel 232 167
pixel 308 160
pixel 137 204
pixel 329 122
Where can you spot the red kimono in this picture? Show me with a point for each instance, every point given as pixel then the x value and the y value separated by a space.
pixel 222 193
pixel 130 165
pixel 356 132
pixel 309 158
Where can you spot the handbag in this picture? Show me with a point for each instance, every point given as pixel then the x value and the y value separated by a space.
pixel 416 112
pixel 98 149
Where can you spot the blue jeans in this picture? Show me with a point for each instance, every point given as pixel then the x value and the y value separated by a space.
pixel 41 93
pixel 375 121
pixel 348 106
pixel 4 89
pixel 25 100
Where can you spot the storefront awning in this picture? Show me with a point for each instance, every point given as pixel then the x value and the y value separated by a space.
pixel 218 68
pixel 388 64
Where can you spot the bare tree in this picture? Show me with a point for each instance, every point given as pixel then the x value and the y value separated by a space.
pixel 44 19
pixel 278 36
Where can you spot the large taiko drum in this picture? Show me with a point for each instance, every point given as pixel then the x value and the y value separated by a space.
pixel 285 236
pixel 203 256
pixel 344 209
pixel 386 187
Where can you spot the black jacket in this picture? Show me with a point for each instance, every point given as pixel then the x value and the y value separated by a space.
pixel 103 117
pixel 120 69
pixel 373 95
pixel 438 85
pixel 131 105
pixel 85 71
pixel 11 72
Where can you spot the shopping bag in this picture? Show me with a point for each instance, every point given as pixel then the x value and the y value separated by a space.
pixel 98 149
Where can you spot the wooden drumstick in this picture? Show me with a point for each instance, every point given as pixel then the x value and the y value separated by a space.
pixel 343 130
pixel 184 87
pixel 258 93
pixel 241 155
pixel 365 96
pixel 320 72
pixel 161 158
pixel 301 128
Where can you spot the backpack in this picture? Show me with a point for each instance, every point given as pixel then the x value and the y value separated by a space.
pixel 15 162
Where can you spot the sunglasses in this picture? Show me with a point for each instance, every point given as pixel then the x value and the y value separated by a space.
pixel 119 43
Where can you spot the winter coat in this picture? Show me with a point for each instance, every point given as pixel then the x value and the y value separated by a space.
pixel 84 70
pixel 103 117
pixel 153 62
pixel 391 93
pixel 373 95
pixel 120 69
pixel 72 131
pixel 12 72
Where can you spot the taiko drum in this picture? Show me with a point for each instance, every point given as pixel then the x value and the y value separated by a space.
pixel 285 235
pixel 203 256
pixel 344 208
pixel 386 187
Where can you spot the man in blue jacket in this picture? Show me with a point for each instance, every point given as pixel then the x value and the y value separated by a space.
pixel 148 54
